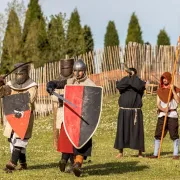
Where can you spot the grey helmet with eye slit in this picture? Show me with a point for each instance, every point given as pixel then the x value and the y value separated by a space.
pixel 22 73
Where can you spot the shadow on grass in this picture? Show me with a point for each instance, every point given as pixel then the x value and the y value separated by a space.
pixel 89 161
pixel 114 168
pixel 162 154
pixel 43 166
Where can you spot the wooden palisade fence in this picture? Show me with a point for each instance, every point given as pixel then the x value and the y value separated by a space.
pixel 105 66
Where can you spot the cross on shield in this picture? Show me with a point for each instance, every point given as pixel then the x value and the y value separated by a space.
pixel 80 123
pixel 17 112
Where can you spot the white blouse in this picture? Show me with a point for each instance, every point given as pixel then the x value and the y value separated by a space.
pixel 172 105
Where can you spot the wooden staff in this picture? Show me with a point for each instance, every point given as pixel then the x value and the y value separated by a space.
pixel 55 130
pixel 169 96
pixel 1 113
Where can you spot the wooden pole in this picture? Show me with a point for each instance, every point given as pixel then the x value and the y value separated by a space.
pixel 169 96
pixel 1 112
pixel 55 130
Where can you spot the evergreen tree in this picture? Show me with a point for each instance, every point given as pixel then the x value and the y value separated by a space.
pixel 33 13
pixel 88 39
pixel 35 28
pixel 111 37
pixel 134 31
pixel 56 38
pixel 36 45
pixel 3 24
pixel 75 38
pixel 11 53
pixel 88 47
pixel 32 42
pixel 163 38
pixel 19 7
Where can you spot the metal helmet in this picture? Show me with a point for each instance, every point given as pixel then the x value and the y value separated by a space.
pixel 22 73
pixel 66 67
pixel 79 65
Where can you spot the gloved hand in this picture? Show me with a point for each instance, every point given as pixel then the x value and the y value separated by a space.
pixel 2 81
pixel 18 114
pixel 50 87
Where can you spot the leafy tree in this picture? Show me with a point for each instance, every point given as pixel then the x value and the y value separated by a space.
pixel 75 39
pixel 134 31
pixel 163 38
pixel 56 38
pixel 11 53
pixel 111 37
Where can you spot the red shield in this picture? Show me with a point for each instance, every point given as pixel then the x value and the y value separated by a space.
pixel 80 123
pixel 17 112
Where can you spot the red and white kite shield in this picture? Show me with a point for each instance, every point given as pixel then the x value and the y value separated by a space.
pixel 81 122
pixel 17 112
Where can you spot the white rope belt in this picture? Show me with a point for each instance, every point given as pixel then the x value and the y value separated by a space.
pixel 135 109
pixel 129 108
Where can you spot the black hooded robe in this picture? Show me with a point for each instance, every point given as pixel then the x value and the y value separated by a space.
pixel 130 129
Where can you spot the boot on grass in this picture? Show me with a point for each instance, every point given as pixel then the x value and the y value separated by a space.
pixel 77 169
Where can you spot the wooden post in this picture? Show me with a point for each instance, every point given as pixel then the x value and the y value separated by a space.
pixel 1 111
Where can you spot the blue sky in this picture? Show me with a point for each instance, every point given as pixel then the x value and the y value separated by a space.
pixel 153 15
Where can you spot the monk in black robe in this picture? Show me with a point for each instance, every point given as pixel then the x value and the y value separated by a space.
pixel 130 129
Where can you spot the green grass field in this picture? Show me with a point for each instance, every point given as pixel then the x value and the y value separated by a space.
pixel 43 159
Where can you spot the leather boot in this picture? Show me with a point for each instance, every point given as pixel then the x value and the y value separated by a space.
pixel 62 165
pixel 23 166
pixel 10 167
pixel 77 169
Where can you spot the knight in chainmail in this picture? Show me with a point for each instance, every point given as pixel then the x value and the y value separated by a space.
pixel 79 78
pixel 22 83
pixel 63 143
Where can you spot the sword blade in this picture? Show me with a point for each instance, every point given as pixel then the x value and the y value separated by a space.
pixel 16 68
pixel 63 99
pixel 70 103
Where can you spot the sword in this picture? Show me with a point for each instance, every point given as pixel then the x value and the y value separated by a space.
pixel 3 77
pixel 63 99
pixel 70 103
